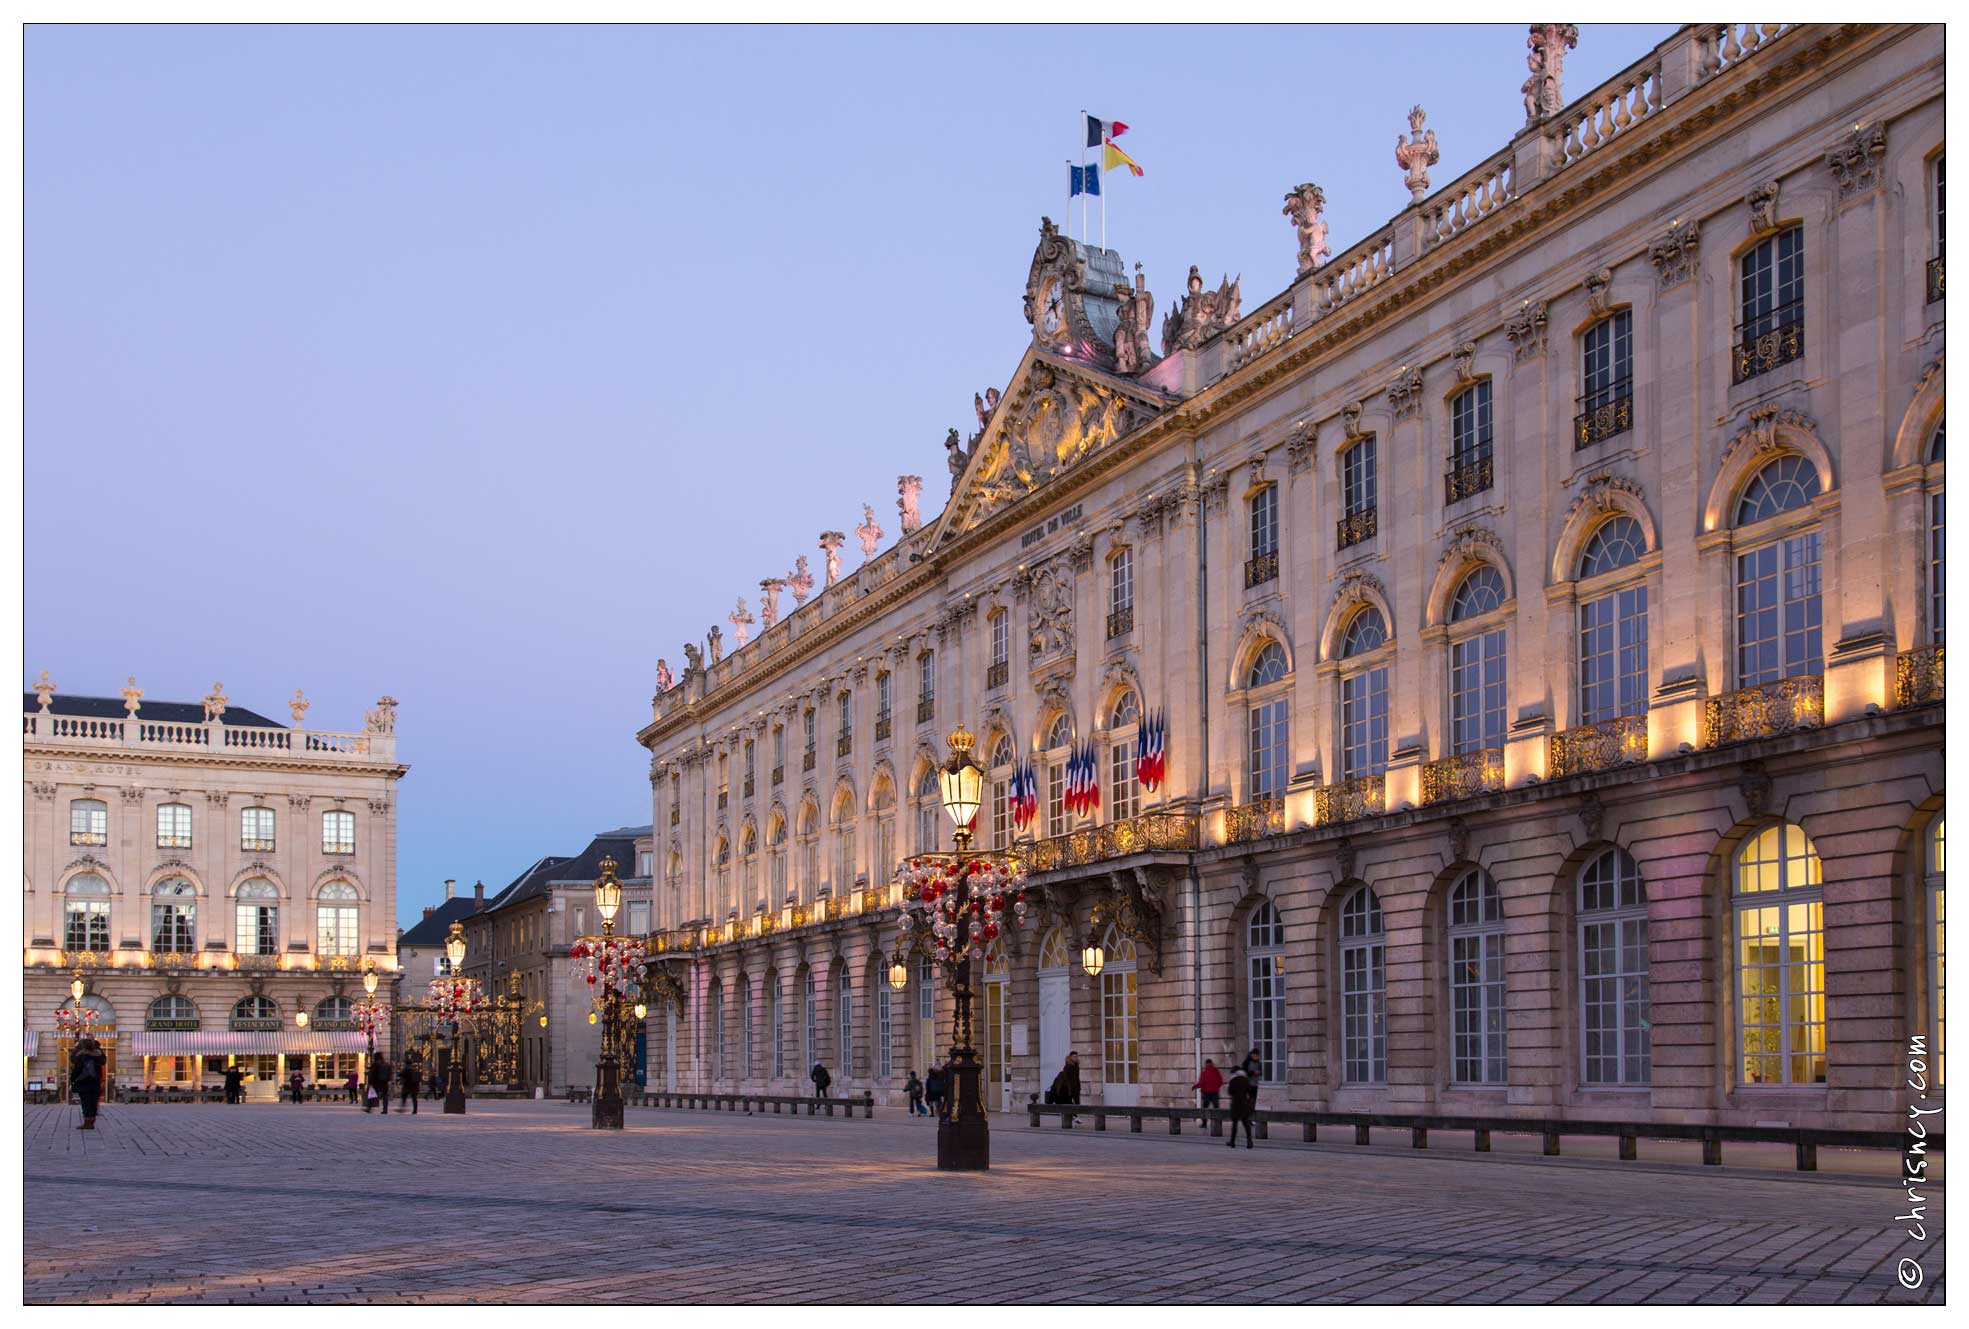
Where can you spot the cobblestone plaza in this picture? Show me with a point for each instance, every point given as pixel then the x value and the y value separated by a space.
pixel 521 1202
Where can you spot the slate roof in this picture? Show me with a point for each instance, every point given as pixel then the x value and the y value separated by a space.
pixel 166 712
pixel 584 867
pixel 432 929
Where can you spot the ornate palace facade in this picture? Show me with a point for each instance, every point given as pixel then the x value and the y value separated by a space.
pixel 1544 595
pixel 209 874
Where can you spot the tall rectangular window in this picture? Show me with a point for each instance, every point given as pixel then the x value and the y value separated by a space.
pixel 884 1054
pixel 926 677
pixel 1267 736
pixel 1056 798
pixel 88 821
pixel 174 826
pixel 1121 591
pixel 1001 636
pixel 1778 611
pixel 808 721
pixel 1772 299
pixel 1264 521
pixel 1936 553
pixel 779 1031
pixel 1613 655
pixel 1124 790
pixel 1606 402
pixel 844 1023
pixel 338 832
pixel 1470 425
pixel 256 928
pixel 256 830
pixel 1364 723
pixel 1357 493
pixel 884 695
pixel 1363 990
pixel 813 1021
pixel 1476 692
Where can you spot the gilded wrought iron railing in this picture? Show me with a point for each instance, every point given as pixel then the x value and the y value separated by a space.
pixel 1254 820
pixel 1121 621
pixel 926 710
pixel 1356 527
pixel 1466 478
pixel 1349 800
pixel 883 727
pixel 1149 832
pixel 1464 775
pixel 1934 279
pixel 1261 568
pixel 1763 344
pixel 997 673
pixel 1599 747
pixel 844 745
pixel 1918 676
pixel 1601 417
pixel 1783 707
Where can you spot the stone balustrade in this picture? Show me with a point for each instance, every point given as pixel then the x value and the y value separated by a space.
pixel 137 733
pixel 1469 199
pixel 1263 330
pixel 1734 42
pixel 1361 268
pixel 1607 112
pixel 1598 747
pixel 1782 707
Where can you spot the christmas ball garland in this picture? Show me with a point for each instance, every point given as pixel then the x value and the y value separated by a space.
pixel 930 883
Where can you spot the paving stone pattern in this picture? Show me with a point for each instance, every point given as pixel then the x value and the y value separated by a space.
pixel 521 1202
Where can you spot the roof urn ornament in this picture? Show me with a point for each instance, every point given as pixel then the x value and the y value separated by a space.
pixel 1416 157
pixel 1546 58
pixel 869 532
pixel 908 489
pixel 45 690
pixel 740 618
pixel 132 695
pixel 1304 205
pixel 769 590
pixel 830 544
pixel 215 703
pixel 801 581
pixel 297 706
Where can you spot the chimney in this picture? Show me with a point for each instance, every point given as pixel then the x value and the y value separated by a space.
pixel 478 895
pixel 430 909
pixel 450 887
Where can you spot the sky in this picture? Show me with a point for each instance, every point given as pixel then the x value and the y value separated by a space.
pixel 482 366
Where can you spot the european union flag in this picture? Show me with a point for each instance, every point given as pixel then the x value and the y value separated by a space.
pixel 1084 180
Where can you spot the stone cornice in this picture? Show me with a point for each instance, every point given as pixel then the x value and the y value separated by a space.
pixel 227 761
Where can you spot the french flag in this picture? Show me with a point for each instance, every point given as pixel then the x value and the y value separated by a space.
pixel 1150 767
pixel 1024 794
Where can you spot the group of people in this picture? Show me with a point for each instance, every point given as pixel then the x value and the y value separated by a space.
pixel 1243 1090
pixel 927 1095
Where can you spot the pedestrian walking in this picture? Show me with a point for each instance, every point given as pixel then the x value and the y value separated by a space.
pixel 235 1085
pixel 821 1080
pixel 355 1095
pixel 1209 1083
pixel 1244 1100
pixel 914 1088
pixel 410 1078
pixel 86 1067
pixel 294 1087
pixel 1254 1071
pixel 933 1090
pixel 1066 1085
pixel 379 1081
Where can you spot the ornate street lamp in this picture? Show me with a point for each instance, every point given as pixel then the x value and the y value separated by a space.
pixel 898 971
pixel 1092 958
pixel 76 986
pixel 458 998
pixel 963 1134
pixel 612 962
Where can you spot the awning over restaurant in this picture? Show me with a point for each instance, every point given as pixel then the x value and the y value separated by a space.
pixel 32 1038
pixel 219 1042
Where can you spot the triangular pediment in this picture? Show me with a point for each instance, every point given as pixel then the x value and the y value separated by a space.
pixel 1055 416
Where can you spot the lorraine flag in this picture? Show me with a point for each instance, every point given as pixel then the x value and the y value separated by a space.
pixel 1111 157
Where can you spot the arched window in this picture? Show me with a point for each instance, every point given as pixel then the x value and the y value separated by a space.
pixel 844 842
pixel 257 1007
pixel 174 826
pixel 1124 728
pixel 173 1010
pixel 778 1000
pixel 174 917
pixel 1120 1027
pixel 334 1010
pixel 748 861
pixel 1267 727
pixel 995 994
pixel 85 914
pixel 809 832
pixel 721 862
pixel 1933 884
pixel 88 821
pixel 776 858
pixel 744 1027
pixel 1613 628
pixel 256 918
pixel 813 1020
pixel 885 1064
pixel 1363 697
pixel 1780 934
pixel 1476 980
pixel 1935 546
pixel 1059 738
pixel 1613 972
pixel 882 865
pixel 1779 616
pixel 844 1020
pixel 335 920
pixel 338 832
pixel 1000 792
pixel 1264 944
pixel 721 1065
pixel 1363 990
pixel 1476 665
pixel 929 811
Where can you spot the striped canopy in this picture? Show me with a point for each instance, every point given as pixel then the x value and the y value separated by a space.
pixel 219 1042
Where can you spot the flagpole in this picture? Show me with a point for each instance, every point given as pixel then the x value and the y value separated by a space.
pixel 1083 171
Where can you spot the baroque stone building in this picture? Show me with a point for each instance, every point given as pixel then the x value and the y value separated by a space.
pixel 1544 597
pixel 209 874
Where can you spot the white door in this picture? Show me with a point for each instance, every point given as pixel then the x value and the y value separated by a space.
pixel 997 1087
pixel 1120 1027
pixel 1055 1024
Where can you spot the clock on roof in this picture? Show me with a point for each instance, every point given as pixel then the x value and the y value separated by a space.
pixel 1069 299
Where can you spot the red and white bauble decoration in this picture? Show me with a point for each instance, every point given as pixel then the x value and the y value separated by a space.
pixel 994 893
pixel 453 997
pixel 615 965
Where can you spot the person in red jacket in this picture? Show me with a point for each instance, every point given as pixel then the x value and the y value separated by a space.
pixel 1209 1083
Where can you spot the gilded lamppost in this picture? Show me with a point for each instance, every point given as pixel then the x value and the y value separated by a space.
pixel 455 997
pixel 368 1011
pixel 966 898
pixel 613 963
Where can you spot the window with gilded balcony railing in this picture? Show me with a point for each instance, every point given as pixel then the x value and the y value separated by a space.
pixel 997 674
pixel 1469 443
pixel 926 709
pixel 1772 302
pixel 883 725
pixel 1120 622
pixel 1358 482
pixel 1121 591
pixel 1258 569
pixel 1935 263
pixel 844 745
pixel 779 776
pixel 1918 676
pixel 1606 407
pixel 1262 566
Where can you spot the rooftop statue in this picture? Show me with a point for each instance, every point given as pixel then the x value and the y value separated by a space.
pixel 769 590
pixel 1304 205
pixel 665 680
pixel 1546 58
pixel 908 489
pixel 740 619
pixel 715 639
pixel 830 543
pixel 1135 308
pixel 957 456
pixel 869 532
pixel 1203 314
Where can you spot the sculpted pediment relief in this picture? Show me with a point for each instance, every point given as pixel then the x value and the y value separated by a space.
pixel 1053 417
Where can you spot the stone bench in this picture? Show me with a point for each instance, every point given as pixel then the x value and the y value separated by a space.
pixel 758 1103
pixel 1806 1140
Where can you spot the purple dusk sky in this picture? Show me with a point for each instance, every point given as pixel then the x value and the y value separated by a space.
pixel 482 366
